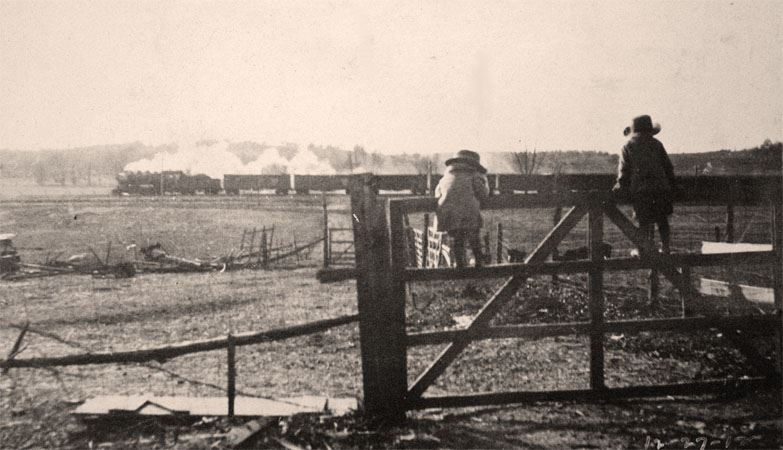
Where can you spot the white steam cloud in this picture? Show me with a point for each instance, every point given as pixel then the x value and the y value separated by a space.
pixel 216 160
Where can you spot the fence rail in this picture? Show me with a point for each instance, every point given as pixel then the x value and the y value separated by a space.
pixel 180 349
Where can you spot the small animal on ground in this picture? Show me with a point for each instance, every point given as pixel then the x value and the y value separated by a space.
pixel 583 253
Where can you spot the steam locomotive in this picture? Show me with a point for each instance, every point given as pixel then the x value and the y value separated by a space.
pixel 170 181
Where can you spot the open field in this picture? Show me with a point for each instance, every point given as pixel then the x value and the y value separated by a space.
pixel 152 310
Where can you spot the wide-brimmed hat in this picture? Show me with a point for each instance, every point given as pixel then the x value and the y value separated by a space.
pixel 468 157
pixel 642 124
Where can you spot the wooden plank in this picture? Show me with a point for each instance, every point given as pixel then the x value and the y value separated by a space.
pixel 596 293
pixel 708 247
pixel 760 323
pixel 491 308
pixel 182 348
pixel 381 317
pixel 581 266
pixel 724 289
pixel 428 204
pixel 678 389
pixel 752 191
pixel 498 332
pixel 688 324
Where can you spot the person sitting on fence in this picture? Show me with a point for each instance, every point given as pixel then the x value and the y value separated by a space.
pixel 646 179
pixel 460 193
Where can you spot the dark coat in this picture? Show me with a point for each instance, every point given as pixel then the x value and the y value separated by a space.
pixel 460 193
pixel 645 168
pixel 646 178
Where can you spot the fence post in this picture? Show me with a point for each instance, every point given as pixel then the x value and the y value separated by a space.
pixel 499 249
pixel 596 289
pixel 252 241
pixel 425 240
pixel 381 301
pixel 730 216
pixel 429 178
pixel 242 242
pixel 777 273
pixel 655 287
pixel 685 296
pixel 487 251
pixel 325 230
pixel 264 248
pixel 232 374
pixel 555 252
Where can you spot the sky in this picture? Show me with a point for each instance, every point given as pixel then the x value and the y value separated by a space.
pixel 404 76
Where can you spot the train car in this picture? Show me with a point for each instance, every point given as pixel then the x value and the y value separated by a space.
pixel 584 182
pixel 416 184
pixel 200 183
pixel 303 184
pixel 233 184
pixel 509 183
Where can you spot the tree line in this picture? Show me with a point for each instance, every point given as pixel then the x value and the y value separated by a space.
pixel 100 164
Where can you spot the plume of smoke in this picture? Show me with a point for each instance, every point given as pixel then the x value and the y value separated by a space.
pixel 306 163
pixel 216 160
pixel 212 160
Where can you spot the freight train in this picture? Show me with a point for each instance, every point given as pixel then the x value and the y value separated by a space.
pixel 177 182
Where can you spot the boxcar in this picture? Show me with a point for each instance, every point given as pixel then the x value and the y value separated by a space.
pixel 233 184
pixel 303 184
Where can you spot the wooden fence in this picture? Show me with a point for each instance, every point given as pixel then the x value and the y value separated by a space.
pixel 382 274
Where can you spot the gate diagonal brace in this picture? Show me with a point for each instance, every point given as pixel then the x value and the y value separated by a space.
pixel 661 262
pixel 501 297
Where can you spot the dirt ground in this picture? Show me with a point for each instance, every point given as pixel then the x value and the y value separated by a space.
pixel 76 313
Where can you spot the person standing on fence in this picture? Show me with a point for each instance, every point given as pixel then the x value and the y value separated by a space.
pixel 461 191
pixel 646 178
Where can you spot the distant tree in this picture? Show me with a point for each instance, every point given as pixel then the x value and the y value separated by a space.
pixel 359 157
pixel 421 164
pixel 73 174
pixel 376 162
pixel 39 172
pixel 526 162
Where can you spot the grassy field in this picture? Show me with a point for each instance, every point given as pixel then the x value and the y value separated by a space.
pixel 88 314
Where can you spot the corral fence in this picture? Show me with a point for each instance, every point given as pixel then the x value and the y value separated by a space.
pixel 382 272
pixel 164 353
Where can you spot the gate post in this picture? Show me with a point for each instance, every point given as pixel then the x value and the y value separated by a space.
pixel 381 302
pixel 499 259
pixel 596 289
pixel 777 273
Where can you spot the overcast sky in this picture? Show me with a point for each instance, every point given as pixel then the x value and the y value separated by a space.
pixel 407 76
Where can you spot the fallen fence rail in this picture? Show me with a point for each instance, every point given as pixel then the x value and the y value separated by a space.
pixel 183 348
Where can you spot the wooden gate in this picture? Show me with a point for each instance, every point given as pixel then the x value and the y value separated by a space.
pixel 382 275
